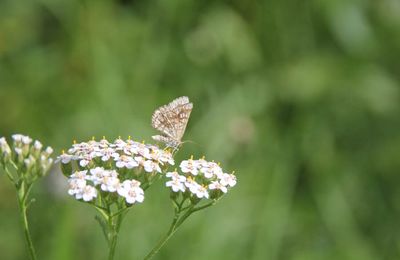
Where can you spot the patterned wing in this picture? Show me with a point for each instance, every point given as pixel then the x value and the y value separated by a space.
pixel 172 118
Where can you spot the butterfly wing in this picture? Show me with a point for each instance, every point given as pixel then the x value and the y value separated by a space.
pixel 172 118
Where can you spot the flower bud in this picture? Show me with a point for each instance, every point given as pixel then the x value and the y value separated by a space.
pixel 36 149
pixel 29 162
pixel 5 151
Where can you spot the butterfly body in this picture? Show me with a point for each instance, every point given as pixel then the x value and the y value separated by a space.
pixel 171 121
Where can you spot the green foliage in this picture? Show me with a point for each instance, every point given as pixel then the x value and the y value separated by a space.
pixel 301 98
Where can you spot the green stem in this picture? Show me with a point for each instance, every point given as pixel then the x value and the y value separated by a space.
pixel 114 225
pixel 23 207
pixel 176 223
pixel 164 240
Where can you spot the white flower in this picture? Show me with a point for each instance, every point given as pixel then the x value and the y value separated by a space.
pixel 189 166
pixel 175 185
pixel 176 176
pixel 150 166
pixel 64 158
pixel 4 147
pixel 135 195
pixel 227 179
pixel 18 139
pixel 130 189
pixel 79 148
pixel 126 161
pixel 97 175
pixel 88 193
pixel 110 184
pixel 3 141
pixel 119 144
pixel 37 145
pixel 79 175
pixel 202 163
pixel 85 160
pixel 211 169
pixel 166 157
pixel 215 185
pixel 201 192
pixel 96 152
pixel 107 153
pixel 103 143
pixel 192 185
pixel 143 150
pixel 48 151
pixel 141 160
pixel 75 186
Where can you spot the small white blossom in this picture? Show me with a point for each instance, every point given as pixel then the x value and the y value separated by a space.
pixel 228 179
pixel 97 175
pixel 103 143
pixel 130 189
pixel 135 195
pixel 192 185
pixel 108 153
pixel 21 139
pixel 143 151
pixel 75 186
pixel 211 169
pixel 89 193
pixel 151 166
pixel 5 149
pixel 140 160
pixel 126 161
pixel 166 157
pixel 48 151
pixel 79 175
pixel 176 176
pixel 64 158
pixel 215 185
pixel 37 145
pixel 110 183
pixel 175 185
pixel 85 160
pixel 190 166
pixel 119 144
pixel 200 191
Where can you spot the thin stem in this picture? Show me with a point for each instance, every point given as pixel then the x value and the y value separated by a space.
pixel 9 175
pixel 22 196
pixel 161 243
pixel 176 223
pixel 114 225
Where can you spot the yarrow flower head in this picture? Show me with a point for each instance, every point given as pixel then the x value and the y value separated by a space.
pixel 200 179
pixel 122 168
pixel 26 156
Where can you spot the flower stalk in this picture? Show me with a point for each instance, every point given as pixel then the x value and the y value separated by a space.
pixel 23 193
pixel 24 162
pixel 181 214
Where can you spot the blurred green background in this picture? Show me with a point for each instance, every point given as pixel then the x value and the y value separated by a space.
pixel 301 98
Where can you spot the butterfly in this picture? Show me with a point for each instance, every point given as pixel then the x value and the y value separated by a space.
pixel 171 121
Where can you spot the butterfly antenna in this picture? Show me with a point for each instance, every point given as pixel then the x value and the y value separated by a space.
pixel 189 141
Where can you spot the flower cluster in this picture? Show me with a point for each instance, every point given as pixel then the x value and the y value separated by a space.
pixel 82 185
pixel 104 167
pixel 201 179
pixel 27 156
pixel 124 153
